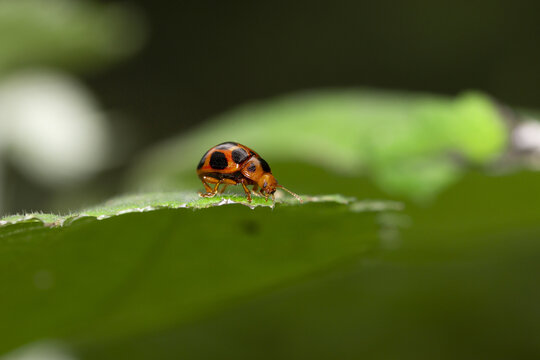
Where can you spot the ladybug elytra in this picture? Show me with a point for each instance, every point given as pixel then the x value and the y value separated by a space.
pixel 231 163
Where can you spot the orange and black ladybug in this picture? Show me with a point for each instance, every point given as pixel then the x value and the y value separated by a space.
pixel 231 163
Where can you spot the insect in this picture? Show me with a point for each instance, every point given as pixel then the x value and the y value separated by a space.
pixel 231 163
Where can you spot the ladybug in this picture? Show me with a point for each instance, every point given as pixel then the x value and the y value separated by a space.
pixel 231 163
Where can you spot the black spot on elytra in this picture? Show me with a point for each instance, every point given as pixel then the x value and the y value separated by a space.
pixel 265 166
pixel 239 155
pixel 201 163
pixel 226 145
pixel 218 161
pixel 251 168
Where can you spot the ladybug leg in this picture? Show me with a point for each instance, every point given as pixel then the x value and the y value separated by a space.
pixel 216 187
pixel 248 194
pixel 226 182
pixel 254 190
pixel 263 194
pixel 209 191
pixel 222 189
pixel 207 188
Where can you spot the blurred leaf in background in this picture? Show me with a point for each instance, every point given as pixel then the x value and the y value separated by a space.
pixel 71 35
pixel 409 145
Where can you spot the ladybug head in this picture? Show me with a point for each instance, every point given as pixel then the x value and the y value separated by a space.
pixel 268 183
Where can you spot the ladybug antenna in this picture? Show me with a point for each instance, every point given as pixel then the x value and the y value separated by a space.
pixel 290 192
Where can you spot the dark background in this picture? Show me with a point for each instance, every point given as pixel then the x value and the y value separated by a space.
pixel 203 57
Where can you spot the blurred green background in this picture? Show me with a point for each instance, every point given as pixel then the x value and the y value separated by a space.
pixel 430 104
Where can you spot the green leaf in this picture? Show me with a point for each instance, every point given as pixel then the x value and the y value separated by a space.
pixel 454 280
pixel 185 200
pixel 168 259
